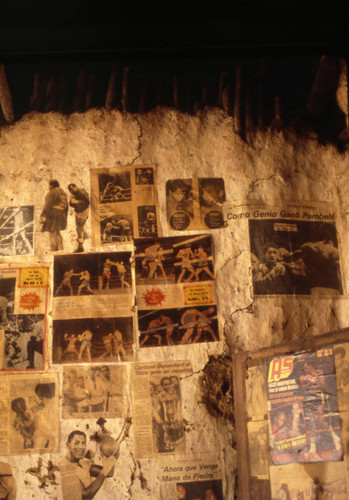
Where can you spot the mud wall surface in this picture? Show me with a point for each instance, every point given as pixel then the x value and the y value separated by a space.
pixel 272 165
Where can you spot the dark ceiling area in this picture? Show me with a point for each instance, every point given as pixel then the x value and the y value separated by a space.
pixel 101 28
pixel 266 64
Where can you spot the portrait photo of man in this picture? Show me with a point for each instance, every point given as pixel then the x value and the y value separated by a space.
pixel 88 476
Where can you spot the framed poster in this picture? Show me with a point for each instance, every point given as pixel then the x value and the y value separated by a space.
pixel 290 415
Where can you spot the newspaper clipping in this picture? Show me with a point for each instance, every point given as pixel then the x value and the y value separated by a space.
pixel 23 306
pixel 257 424
pixel 92 307
pixel 85 469
pixel 195 203
pixel 344 415
pixel 303 410
pixel 191 479
pixel 308 481
pixel 94 391
pixel 294 247
pixel 29 414
pixel 124 204
pixel 259 448
pixel 157 407
pixel 256 393
pixel 176 293
pixel 93 340
pixel 341 356
pixel 345 440
pixel 16 230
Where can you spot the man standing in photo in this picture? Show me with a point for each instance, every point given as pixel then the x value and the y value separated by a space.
pixel 80 202
pixel 54 215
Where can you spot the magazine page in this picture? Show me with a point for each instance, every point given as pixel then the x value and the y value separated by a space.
pixel 195 203
pixel 17 230
pixel 157 407
pixel 124 204
pixel 92 308
pixel 176 291
pixel 23 308
pixel 294 247
pixel 29 414
pixel 191 477
pixel 303 410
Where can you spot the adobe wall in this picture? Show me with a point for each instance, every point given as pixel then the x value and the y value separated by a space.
pixel 271 165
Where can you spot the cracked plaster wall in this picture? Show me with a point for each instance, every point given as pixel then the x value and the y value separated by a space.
pixel 271 165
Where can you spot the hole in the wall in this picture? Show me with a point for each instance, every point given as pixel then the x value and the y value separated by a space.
pixel 225 387
pixel 215 387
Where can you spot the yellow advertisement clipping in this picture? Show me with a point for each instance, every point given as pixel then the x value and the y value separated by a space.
pixel 199 294
pixel 33 276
